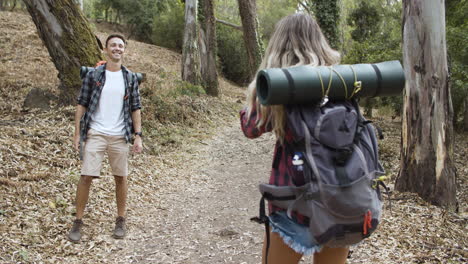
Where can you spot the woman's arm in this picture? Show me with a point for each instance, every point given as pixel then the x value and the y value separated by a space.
pixel 249 123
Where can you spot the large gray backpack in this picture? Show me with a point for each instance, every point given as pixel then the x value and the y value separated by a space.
pixel 341 170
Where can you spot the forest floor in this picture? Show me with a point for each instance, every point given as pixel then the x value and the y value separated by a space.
pixel 192 190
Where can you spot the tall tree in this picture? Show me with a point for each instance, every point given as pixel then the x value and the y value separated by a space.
pixel 190 49
pixel 208 47
pixel 457 26
pixel 427 132
pixel 80 3
pixel 327 13
pixel 252 40
pixel 70 42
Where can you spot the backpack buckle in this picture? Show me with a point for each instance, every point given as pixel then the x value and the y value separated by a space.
pixel 259 220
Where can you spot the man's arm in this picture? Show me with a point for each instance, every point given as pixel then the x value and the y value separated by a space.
pixel 136 118
pixel 80 110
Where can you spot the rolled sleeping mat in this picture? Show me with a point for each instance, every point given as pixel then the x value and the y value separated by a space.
pixel 307 84
pixel 84 70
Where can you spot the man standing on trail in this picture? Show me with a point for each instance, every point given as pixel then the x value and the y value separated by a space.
pixel 107 115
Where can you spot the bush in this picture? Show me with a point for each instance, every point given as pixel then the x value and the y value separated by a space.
pixel 168 26
pixel 232 54
pixel 186 88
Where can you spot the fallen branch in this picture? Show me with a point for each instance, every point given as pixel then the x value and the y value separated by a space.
pixel 229 24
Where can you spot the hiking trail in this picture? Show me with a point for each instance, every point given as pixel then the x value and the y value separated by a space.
pixel 206 219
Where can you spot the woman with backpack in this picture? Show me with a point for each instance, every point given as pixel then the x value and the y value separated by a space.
pixel 297 40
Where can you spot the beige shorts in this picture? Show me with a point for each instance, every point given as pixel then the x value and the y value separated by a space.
pixel 93 154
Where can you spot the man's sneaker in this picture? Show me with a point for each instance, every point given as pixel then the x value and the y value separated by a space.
pixel 75 232
pixel 120 229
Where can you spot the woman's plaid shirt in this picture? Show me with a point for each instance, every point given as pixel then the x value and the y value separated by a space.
pixel 282 172
pixel 90 93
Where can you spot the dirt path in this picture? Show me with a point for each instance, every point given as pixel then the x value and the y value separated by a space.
pixel 200 213
pixel 205 219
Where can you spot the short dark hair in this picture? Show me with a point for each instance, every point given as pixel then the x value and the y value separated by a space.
pixel 115 36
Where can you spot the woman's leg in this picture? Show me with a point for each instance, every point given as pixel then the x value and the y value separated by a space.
pixel 279 252
pixel 331 256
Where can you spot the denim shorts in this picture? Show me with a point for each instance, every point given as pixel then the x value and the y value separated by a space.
pixel 295 235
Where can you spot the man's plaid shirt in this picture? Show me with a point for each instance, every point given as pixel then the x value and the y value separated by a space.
pixel 91 92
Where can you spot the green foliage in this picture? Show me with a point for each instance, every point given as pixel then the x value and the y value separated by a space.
pixel 457 26
pixel 366 21
pixel 158 22
pixel 88 8
pixel 232 54
pixel 375 31
pixel 327 14
pixel 270 12
pixel 168 27
pixel 186 88
pixel 140 14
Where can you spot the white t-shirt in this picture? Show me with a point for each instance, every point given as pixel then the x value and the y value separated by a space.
pixel 109 118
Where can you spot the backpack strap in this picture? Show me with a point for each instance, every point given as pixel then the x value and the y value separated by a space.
pixel 263 218
pixel 98 71
pixel 130 78
pixel 308 152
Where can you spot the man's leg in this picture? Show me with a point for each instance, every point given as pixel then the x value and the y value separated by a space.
pixel 82 194
pixel 118 158
pixel 121 188
pixel 92 157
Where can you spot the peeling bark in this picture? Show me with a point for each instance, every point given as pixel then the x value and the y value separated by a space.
pixel 427 132
pixel 208 48
pixel 69 40
pixel 190 50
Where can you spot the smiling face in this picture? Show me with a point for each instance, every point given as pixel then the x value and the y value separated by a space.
pixel 115 49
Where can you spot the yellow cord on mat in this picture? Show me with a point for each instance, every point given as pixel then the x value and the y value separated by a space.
pixel 330 81
pixel 357 84
pixel 343 81
pixel 321 82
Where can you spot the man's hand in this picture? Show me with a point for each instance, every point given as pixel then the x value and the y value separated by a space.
pixel 137 145
pixel 76 142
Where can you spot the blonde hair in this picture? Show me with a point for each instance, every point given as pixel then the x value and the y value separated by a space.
pixel 297 40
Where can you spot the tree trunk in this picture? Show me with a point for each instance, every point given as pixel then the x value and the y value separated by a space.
pixel 427 127
pixel 69 40
pixel 327 13
pixel 208 48
pixel 117 17
pixel 253 43
pixel 190 52
pixel 465 115
pixel 13 6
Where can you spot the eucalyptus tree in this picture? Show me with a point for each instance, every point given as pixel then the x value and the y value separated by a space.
pixel 426 165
